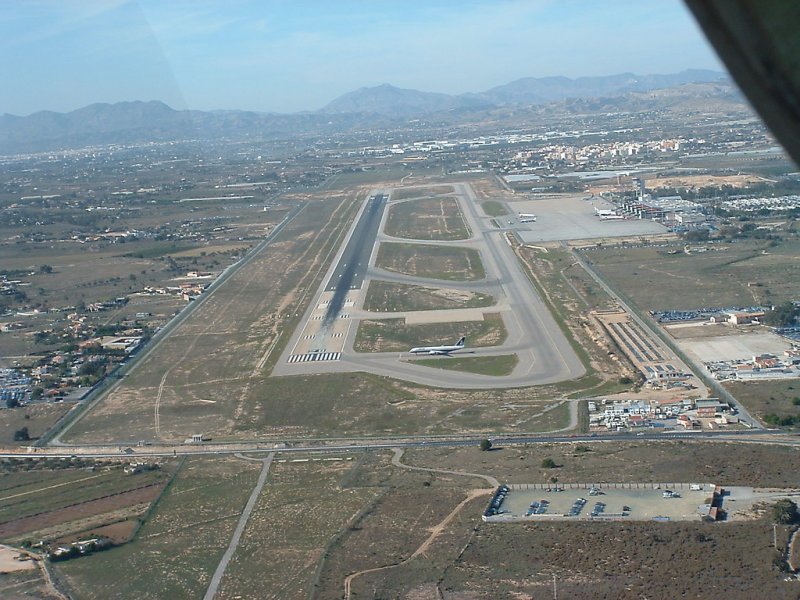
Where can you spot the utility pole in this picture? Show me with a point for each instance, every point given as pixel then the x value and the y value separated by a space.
pixel 555 588
pixel 775 536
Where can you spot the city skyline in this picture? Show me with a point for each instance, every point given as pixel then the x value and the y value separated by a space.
pixel 278 57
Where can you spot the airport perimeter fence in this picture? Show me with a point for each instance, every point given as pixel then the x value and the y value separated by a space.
pixel 708 487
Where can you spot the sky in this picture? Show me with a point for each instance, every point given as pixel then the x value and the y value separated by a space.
pixel 294 55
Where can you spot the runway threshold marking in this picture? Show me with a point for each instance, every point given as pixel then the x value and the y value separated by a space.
pixel 314 357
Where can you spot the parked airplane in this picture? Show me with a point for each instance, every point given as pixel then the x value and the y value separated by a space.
pixel 601 212
pixel 459 345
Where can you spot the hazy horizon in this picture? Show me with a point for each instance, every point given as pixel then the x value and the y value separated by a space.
pixel 284 58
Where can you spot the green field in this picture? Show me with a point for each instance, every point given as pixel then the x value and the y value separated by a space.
pixel 487 365
pixel 449 263
pixel 393 335
pixel 493 208
pixel 385 296
pixel 429 219
pixel 779 397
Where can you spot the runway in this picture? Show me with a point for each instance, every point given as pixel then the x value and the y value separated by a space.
pixel 351 267
pixel 545 355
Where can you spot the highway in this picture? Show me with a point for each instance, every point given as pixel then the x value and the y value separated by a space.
pixel 758 436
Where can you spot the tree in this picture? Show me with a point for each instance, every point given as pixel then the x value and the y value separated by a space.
pixel 12 403
pixel 45 269
pixel 696 235
pixel 782 315
pixel 784 512
pixel 486 445
pixel 549 463
pixel 21 435
pixel 93 368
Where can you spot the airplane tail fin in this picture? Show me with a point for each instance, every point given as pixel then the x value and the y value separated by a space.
pixel 461 341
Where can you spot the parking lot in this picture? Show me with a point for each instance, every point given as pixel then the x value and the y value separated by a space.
pixel 743 346
pixel 637 502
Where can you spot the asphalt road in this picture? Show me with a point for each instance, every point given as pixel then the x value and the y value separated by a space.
pixel 759 436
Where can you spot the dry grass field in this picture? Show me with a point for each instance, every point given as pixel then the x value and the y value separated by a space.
pixel 24 585
pixel 655 280
pixel 327 524
pixel 496 366
pixel 38 418
pixel 618 561
pixel 449 263
pixel 385 296
pixel 393 335
pixel 358 404
pixel 420 192
pixel 778 397
pixel 428 219
pixel 176 551
pixel 303 506
pixel 729 464
pixel 201 377
pixel 571 295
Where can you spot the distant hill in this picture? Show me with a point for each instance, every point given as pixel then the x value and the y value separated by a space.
pixel 133 122
pixel 389 100
pixel 533 90
pixel 715 97
pixel 384 105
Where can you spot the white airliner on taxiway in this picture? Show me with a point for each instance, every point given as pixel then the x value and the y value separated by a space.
pixel 459 345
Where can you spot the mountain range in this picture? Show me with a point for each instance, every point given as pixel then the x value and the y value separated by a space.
pixel 384 105
pixel 386 99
